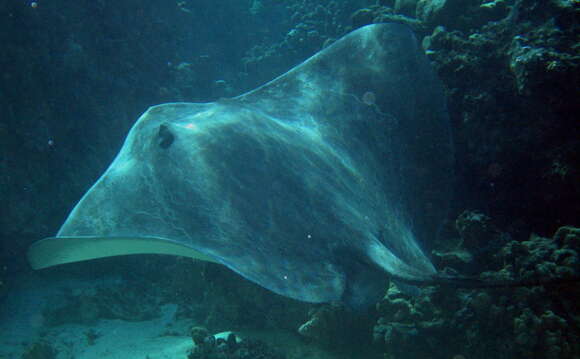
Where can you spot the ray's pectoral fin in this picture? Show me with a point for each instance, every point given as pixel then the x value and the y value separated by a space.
pixel 60 250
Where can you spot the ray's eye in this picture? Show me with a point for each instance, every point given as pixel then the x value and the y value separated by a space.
pixel 164 137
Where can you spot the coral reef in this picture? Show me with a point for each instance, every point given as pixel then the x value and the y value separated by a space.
pixel 510 87
pixel 546 319
pixel 462 15
pixel 209 347
pixel 198 335
pixel 540 257
pixel 539 321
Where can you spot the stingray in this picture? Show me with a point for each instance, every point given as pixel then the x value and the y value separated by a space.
pixel 319 185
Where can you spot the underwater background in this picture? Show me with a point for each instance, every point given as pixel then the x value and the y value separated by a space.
pixel 76 75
